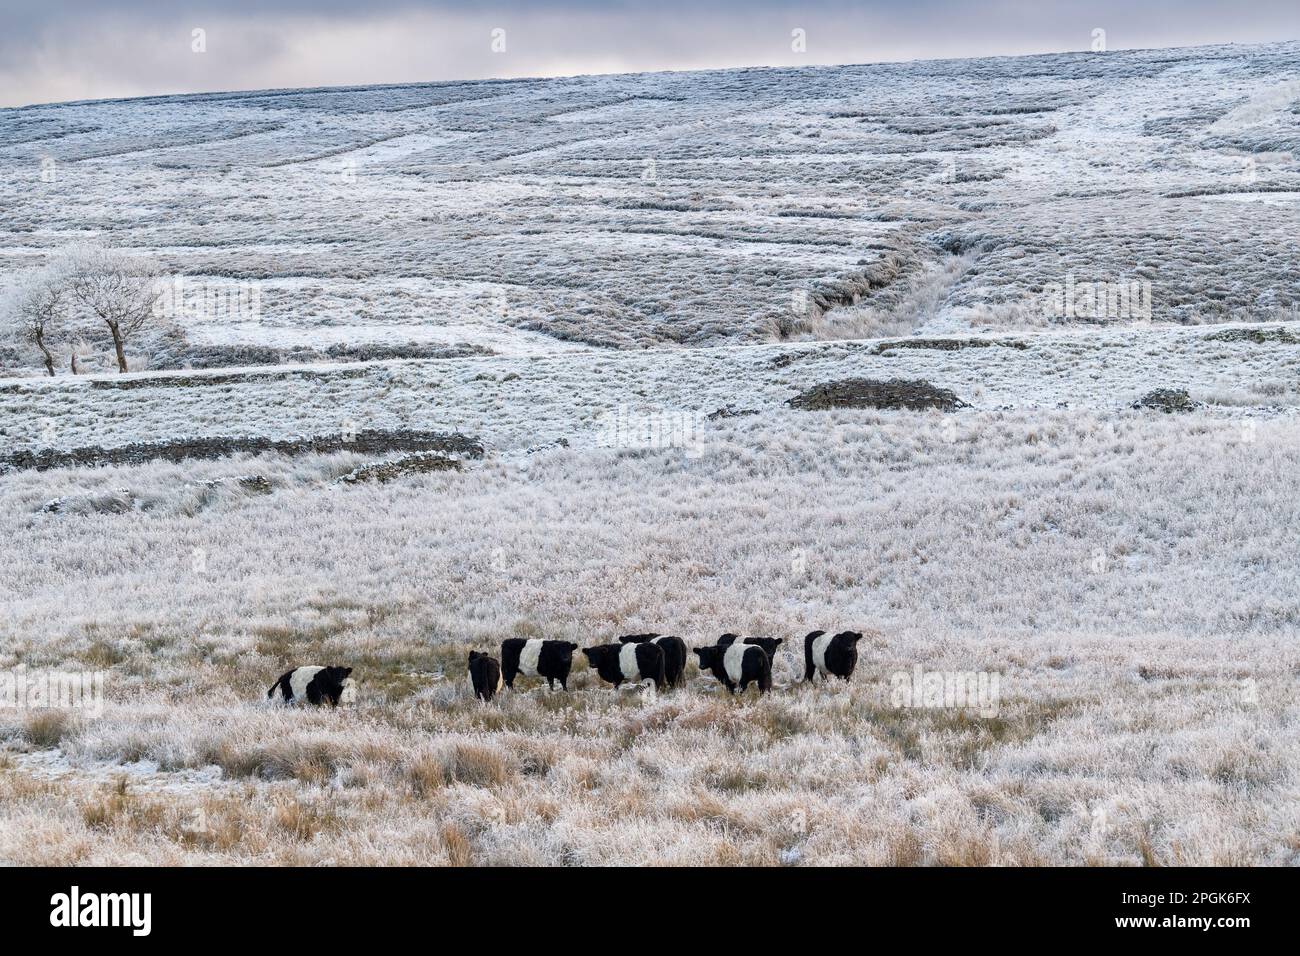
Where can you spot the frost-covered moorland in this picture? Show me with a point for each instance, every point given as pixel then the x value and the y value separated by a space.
pixel 614 285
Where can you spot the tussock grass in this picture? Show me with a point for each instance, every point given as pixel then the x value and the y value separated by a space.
pixel 1123 735
pixel 47 728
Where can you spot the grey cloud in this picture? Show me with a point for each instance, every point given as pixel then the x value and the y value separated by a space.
pixel 63 50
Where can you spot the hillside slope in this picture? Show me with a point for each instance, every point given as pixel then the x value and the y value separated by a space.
pixel 694 208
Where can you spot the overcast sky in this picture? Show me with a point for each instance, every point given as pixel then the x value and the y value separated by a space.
pixel 54 50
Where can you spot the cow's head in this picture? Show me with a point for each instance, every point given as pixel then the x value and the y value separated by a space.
pixel 851 636
pixel 778 642
pixel 708 656
pixel 473 656
pixel 597 654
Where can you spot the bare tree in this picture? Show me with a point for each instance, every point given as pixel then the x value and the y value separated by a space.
pixel 119 288
pixel 37 309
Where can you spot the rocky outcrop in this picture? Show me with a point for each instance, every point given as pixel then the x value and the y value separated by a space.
pixel 1277 335
pixel 869 393
pixel 730 411
pixel 1168 400
pixel 253 484
pixel 385 471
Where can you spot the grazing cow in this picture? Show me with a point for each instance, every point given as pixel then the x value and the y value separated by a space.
pixel 631 662
pixel 826 654
pixel 537 658
pixel 674 649
pixel 484 675
pixel 316 685
pixel 737 665
pixel 768 644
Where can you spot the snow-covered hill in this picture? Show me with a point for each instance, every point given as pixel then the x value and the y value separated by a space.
pixel 693 208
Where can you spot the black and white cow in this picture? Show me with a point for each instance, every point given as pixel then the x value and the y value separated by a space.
pixel 737 665
pixel 768 644
pixel 534 657
pixel 674 649
pixel 828 654
pixel 316 685
pixel 627 662
pixel 484 675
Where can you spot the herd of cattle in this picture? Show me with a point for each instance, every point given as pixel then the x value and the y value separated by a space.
pixel 661 658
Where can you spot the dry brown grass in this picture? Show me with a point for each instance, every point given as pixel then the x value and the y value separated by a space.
pixel 115 807
pixel 1119 739
pixel 704 780
pixel 46 728
pixel 457 846
pixel 303 820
